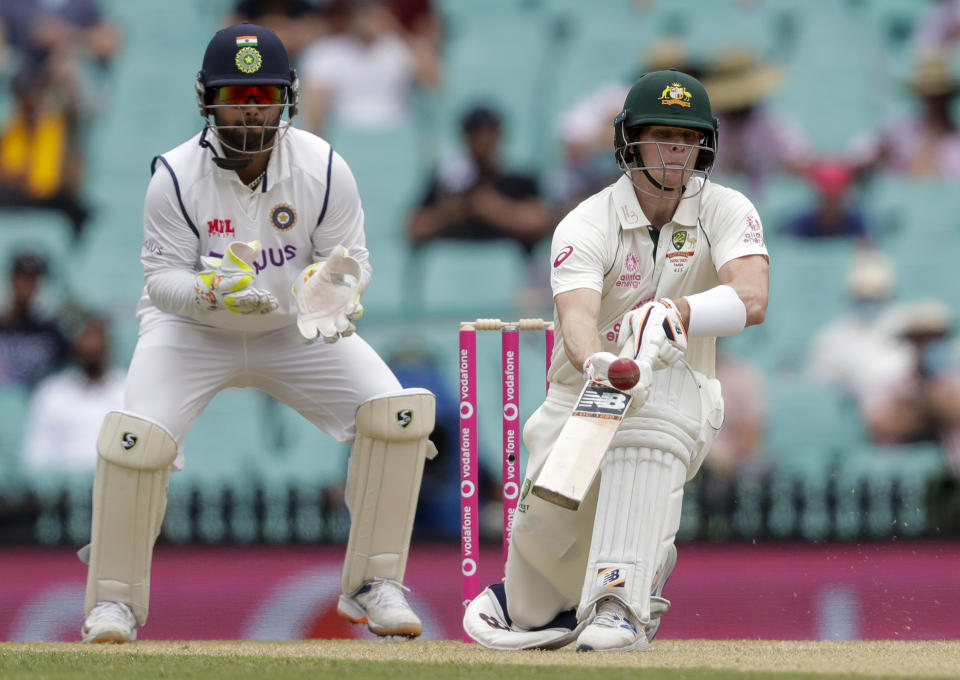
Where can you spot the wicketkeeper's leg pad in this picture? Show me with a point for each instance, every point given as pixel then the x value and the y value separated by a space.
pixel 129 500
pixel 641 493
pixel 383 483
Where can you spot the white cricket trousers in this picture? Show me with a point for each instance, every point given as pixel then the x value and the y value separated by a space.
pixel 179 366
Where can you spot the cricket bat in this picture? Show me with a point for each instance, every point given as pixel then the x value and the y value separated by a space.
pixel 573 463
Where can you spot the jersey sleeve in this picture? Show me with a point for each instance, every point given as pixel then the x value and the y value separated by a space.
pixel 170 252
pixel 342 221
pixel 577 256
pixel 734 229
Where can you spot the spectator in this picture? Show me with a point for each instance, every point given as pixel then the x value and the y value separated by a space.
pixel 56 96
pixel 860 349
pixel 41 160
pixel 922 403
pixel 835 214
pixel 925 144
pixel 588 163
pixel 937 28
pixel 473 197
pixel 366 76
pixel 757 143
pixel 297 22
pixel 67 408
pixel 30 347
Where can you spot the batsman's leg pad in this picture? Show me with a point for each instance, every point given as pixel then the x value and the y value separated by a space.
pixel 487 621
pixel 641 493
pixel 129 500
pixel 383 483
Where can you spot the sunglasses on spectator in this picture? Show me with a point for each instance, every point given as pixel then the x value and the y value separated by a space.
pixel 239 95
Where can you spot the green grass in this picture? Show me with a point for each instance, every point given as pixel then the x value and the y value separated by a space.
pixel 429 660
pixel 68 666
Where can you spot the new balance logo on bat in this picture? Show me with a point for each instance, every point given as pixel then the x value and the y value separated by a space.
pixel 599 400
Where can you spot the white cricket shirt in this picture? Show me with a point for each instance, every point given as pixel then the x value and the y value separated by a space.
pixel 306 203
pixel 606 244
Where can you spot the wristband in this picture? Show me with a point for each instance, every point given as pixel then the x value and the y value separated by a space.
pixel 716 312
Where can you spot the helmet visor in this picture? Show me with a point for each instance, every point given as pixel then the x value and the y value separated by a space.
pixel 238 95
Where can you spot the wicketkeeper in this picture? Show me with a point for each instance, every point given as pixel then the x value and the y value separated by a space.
pixel 255 260
pixel 671 261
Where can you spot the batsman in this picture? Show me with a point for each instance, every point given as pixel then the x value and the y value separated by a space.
pixel 254 259
pixel 658 264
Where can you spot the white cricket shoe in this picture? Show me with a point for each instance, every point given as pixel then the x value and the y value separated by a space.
pixel 612 630
pixel 381 605
pixel 110 622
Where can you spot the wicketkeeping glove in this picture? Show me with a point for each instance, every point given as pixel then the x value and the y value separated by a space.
pixel 227 283
pixel 657 324
pixel 328 297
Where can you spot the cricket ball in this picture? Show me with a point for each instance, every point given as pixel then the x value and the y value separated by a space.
pixel 623 373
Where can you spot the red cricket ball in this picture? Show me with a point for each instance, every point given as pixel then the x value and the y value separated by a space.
pixel 623 373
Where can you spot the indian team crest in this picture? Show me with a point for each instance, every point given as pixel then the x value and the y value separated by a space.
pixel 675 94
pixel 283 217
pixel 248 59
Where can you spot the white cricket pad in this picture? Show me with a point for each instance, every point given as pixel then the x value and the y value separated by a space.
pixel 129 500
pixel 641 492
pixel 383 483
pixel 487 621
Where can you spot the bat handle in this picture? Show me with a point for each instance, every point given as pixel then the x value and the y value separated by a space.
pixel 628 350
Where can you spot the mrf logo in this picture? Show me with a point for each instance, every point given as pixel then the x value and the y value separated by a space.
pixel 404 417
pixel 601 401
pixel 219 228
pixel 128 440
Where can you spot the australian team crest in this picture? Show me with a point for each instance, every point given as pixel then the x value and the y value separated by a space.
pixel 675 93
pixel 283 217
pixel 679 238
pixel 248 59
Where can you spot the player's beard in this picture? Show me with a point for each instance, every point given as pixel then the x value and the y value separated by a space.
pixel 249 138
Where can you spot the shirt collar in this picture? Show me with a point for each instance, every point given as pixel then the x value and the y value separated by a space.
pixel 631 216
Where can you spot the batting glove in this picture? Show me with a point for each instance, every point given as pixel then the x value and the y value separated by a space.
pixel 226 283
pixel 597 365
pixel 658 324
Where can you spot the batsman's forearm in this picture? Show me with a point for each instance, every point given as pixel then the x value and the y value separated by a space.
pixel 580 339
pixel 172 291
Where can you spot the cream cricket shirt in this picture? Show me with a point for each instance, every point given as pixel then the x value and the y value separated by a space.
pixel 306 203
pixel 606 244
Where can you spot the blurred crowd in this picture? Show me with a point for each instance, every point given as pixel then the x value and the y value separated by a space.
pixel 372 65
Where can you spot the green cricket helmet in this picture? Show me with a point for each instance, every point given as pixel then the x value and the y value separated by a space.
pixel 670 98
